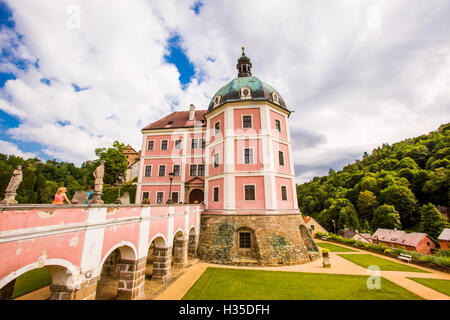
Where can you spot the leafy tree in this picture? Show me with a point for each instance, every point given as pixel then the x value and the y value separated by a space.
pixel 367 202
pixel 404 202
pixel 433 222
pixel 115 162
pixel 386 217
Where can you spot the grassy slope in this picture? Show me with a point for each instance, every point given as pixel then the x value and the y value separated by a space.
pixel 228 284
pixel 30 281
pixel 366 260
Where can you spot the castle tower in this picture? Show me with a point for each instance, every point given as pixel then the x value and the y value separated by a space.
pixel 252 214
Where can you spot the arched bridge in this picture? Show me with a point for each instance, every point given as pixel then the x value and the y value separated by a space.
pixel 76 242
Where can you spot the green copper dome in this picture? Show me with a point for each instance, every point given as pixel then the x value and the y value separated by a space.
pixel 259 90
pixel 245 87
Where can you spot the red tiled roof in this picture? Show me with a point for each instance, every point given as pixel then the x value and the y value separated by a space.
pixel 178 119
pixel 445 235
pixel 399 237
pixel 306 218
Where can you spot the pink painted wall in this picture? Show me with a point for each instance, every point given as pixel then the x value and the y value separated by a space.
pixel 284 204
pixel 258 162
pixel 219 170
pixel 153 189
pixel 157 145
pixel 287 164
pixel 116 234
pixel 211 185
pixel 199 151
pixel 274 132
pixel 155 163
pixel 256 121
pixel 212 122
pixel 259 202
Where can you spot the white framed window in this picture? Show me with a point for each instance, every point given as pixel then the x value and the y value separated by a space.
pixel 193 170
pixel 194 144
pixel 284 195
pixel 217 127
pixel 160 197
pixel 162 170
pixel 216 194
pixel 178 144
pixel 275 97
pixel 278 125
pixel 201 170
pixel 246 121
pixel 151 145
pixel 216 160
pixel 281 158
pixel 176 170
pixel 164 144
pixel 248 155
pixel 175 196
pixel 249 192
pixel 145 195
pixel 148 171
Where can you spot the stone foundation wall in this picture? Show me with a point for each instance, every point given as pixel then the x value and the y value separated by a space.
pixel 277 239
pixel 131 279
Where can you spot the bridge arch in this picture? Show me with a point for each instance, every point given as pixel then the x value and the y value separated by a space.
pixel 127 250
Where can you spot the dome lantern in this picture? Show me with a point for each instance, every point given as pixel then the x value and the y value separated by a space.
pixel 244 65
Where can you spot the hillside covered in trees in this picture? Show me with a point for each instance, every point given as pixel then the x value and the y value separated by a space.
pixel 41 180
pixel 396 186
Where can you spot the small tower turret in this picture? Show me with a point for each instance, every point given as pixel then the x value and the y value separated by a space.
pixel 244 65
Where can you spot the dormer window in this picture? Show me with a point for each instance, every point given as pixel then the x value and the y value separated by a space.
pixel 217 99
pixel 246 93
pixel 170 123
pixel 275 97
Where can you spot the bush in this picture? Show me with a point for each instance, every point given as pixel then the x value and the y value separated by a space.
pixel 325 250
pixel 387 251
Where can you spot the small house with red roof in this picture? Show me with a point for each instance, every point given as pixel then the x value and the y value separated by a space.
pixel 444 238
pixel 313 225
pixel 414 241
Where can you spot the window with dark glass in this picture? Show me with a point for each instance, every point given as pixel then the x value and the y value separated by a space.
pixel 203 143
pixel 201 170
pixel 176 170
pixel 278 125
pixel 193 170
pixel 175 197
pixel 281 158
pixel 162 171
pixel 160 197
pixel 283 193
pixel 178 144
pixel 145 195
pixel 194 144
pixel 216 194
pixel 151 145
pixel 216 160
pixel 164 144
pixel 217 128
pixel 249 192
pixel 246 121
pixel 248 156
pixel 148 171
pixel 245 240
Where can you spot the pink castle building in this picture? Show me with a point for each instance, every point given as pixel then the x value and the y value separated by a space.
pixel 236 158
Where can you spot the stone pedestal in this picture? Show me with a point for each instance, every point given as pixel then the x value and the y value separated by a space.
pixel 162 263
pixel 180 256
pixel 96 198
pixel 326 261
pixel 10 198
pixel 131 279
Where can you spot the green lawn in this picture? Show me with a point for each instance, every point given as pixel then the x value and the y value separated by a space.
pixel 334 248
pixel 241 284
pixel 366 260
pixel 442 286
pixel 30 281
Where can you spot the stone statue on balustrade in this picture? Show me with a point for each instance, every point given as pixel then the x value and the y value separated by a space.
pixel 98 184
pixel 10 192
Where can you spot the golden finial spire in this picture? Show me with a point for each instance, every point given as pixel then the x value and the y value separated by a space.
pixel 243 50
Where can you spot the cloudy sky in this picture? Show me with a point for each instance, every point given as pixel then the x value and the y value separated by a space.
pixel 79 74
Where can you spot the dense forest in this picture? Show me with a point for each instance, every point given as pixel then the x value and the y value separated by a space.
pixel 41 180
pixel 396 186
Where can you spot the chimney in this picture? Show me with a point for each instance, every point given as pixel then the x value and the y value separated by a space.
pixel 191 112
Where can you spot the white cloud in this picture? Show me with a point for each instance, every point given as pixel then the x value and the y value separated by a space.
pixel 9 148
pixel 356 73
